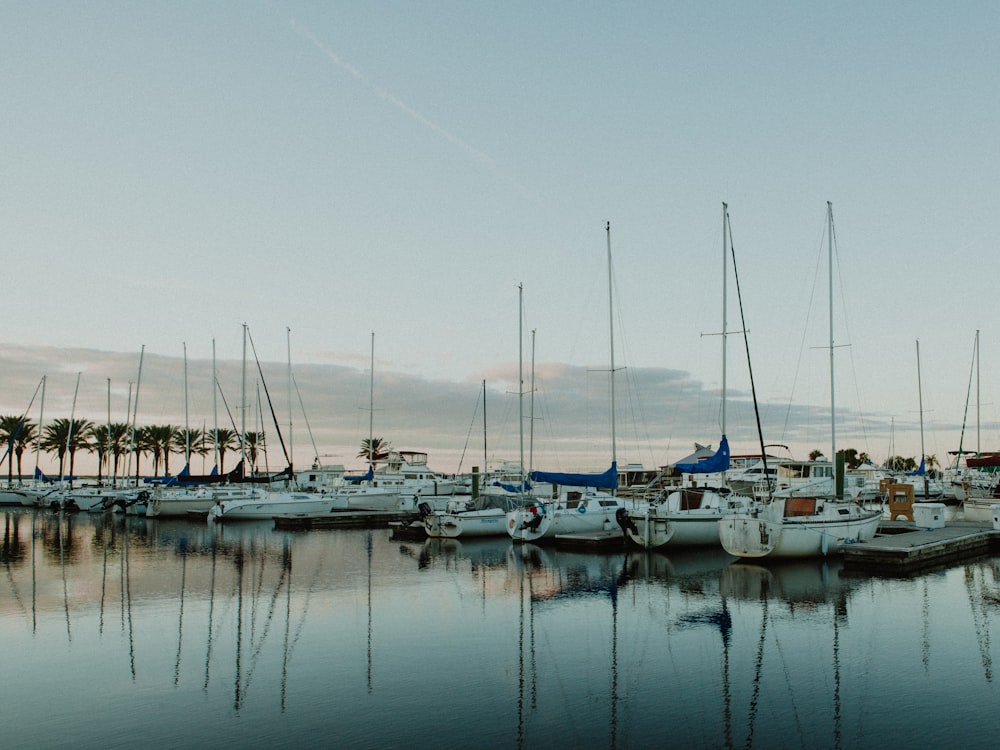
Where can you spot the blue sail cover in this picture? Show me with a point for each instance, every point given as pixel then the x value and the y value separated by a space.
pixel 919 472
pixel 712 465
pixel 512 487
pixel 606 481
pixel 366 477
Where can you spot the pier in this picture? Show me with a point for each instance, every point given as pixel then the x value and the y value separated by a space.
pixel 902 547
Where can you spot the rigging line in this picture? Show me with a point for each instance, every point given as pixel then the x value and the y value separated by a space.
pixel 20 424
pixel 968 394
pixel 746 344
pixel 468 437
pixel 788 683
pixel 805 330
pixel 850 337
pixel 274 416
pixel 306 418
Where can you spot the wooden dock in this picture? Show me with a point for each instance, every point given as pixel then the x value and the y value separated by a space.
pixel 902 547
pixel 346 519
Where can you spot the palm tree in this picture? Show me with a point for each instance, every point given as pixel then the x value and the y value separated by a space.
pixel 188 442
pixel 117 446
pixel 100 444
pixel 375 449
pixel 66 435
pixel 12 432
pixel 25 439
pixel 226 440
pixel 156 440
pixel 254 442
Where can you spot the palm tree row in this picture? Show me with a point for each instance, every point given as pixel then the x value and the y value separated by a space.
pixel 113 443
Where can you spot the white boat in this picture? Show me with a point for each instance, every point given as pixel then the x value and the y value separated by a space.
pixel 174 502
pixel 577 510
pixel 486 516
pixel 806 520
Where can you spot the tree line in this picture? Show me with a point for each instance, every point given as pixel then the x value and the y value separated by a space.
pixel 114 443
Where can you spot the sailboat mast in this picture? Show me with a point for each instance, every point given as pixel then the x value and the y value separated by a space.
pixel 978 444
pixel 520 377
pixel 725 297
pixel 371 406
pixel 41 423
pixel 920 403
pixel 531 409
pixel 611 338
pixel 243 403
pixel 288 344
pixel 215 409
pixel 833 402
pixel 187 426
pixel 107 442
pixel 69 432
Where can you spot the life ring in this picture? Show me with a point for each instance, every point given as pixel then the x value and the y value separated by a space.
pixel 582 507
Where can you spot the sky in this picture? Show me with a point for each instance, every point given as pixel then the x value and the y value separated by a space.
pixel 351 177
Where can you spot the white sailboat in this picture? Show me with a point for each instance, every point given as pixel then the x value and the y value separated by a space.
pixel 803 520
pixel 578 503
pixel 689 516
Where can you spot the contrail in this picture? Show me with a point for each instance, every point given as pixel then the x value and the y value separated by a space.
pixel 395 100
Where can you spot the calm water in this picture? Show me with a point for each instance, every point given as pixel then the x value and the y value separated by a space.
pixel 116 632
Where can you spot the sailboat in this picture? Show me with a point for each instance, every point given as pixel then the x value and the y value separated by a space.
pixel 689 516
pixel 803 520
pixel 577 503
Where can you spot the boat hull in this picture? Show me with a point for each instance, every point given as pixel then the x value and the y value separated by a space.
pixel 761 536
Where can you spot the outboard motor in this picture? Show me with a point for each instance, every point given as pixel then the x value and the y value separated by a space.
pixel 424 509
pixel 626 523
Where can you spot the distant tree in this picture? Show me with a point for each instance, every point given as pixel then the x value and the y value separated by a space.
pixel 118 433
pixel 226 440
pixel 376 449
pixel 814 454
pixel 898 463
pixel 25 439
pixel 863 458
pixel 931 463
pixel 100 443
pixel 851 459
pixel 192 440
pixel 10 429
pixel 65 435
pixel 158 441
pixel 255 442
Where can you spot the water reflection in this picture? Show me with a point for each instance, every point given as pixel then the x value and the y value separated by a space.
pixel 246 633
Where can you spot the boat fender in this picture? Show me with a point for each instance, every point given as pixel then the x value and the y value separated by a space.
pixel 510 524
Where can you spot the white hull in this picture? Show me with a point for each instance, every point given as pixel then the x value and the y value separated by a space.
pixel 770 534
pixel 544 521
pixel 980 510
pixel 473 523
pixel 687 518
pixel 178 503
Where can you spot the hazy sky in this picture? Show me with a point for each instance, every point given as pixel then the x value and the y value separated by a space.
pixel 172 170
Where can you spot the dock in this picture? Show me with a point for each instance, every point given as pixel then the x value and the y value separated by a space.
pixel 901 548
pixel 346 519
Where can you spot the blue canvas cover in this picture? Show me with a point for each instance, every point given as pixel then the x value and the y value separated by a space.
pixel 366 477
pixel 920 471
pixel 607 480
pixel 713 464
